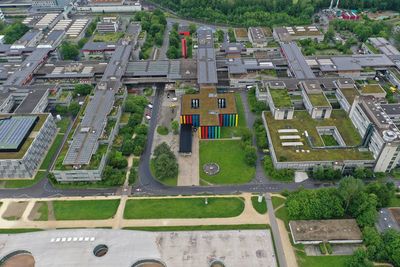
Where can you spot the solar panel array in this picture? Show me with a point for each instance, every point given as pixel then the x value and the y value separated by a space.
pixel 14 130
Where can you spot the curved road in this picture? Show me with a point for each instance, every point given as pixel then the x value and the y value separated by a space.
pixel 148 185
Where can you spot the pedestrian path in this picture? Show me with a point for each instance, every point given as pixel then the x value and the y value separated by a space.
pixel 248 216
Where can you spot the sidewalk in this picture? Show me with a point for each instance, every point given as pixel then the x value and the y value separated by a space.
pixel 248 216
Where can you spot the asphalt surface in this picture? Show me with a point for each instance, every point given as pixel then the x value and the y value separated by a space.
pixel 386 221
pixel 275 231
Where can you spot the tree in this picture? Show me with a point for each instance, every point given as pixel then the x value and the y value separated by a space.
pixel 83 89
pixel 314 204
pixel 350 188
pixel 139 142
pixel 363 208
pixel 165 163
pixel 127 147
pixel 14 32
pixel 250 155
pixel 192 28
pixel 383 192
pixel 329 35
pixel 74 108
pixel 391 239
pixel 359 259
pixel 69 51
pixel 175 127
pixel 374 243
pixel 141 129
pixel 134 120
pixel 117 160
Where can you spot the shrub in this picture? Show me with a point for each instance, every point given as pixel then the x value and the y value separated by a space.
pixel 322 248
pixel 162 130
pixel 328 248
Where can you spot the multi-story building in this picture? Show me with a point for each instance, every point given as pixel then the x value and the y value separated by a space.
pixel 315 100
pixel 379 131
pixel 259 37
pixel 279 101
pixel 24 141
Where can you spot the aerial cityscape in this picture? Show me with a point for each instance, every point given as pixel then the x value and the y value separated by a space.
pixel 169 133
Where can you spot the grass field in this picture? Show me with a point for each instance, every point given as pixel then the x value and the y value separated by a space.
pixel 85 209
pixel 19 231
pixel 395 201
pixel 44 212
pixel 63 124
pixel 282 214
pixel 277 201
pixel 201 227
pixel 25 183
pixel 260 207
pixel 321 261
pixel 183 208
pixel 52 151
pixel 230 158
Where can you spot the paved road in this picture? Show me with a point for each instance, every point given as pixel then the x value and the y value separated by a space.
pixel 386 220
pixel 275 231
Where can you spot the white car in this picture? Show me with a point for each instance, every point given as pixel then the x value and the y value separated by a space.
pixel 150 106
pixel 148 117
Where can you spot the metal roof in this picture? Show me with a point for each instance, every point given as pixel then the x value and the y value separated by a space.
pixel 14 130
pixel 296 61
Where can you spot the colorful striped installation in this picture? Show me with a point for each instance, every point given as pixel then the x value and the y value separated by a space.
pixel 209 132
pixel 190 119
pixel 228 120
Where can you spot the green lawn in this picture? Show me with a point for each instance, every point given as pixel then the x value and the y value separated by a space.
pixel 281 98
pixel 183 208
pixel 108 37
pixel 277 201
pixel 329 140
pixel 260 207
pixel 63 124
pixel 44 212
pixel 395 201
pixel 228 154
pixel 282 214
pixel 321 261
pixel 85 209
pixel 201 228
pixel 19 231
pixel 25 183
pixel 52 151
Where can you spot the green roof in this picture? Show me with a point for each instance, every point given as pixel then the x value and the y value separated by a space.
pixel 281 98
pixel 318 100
pixel 302 121
pixel 371 89
pixel 350 94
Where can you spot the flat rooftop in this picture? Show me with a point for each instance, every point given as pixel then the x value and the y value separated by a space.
pixel 208 105
pixel 296 61
pixel 14 130
pixel 125 247
pixel 281 98
pixel 350 94
pixel 302 122
pixel 325 230
pixel 20 134
pixel 372 89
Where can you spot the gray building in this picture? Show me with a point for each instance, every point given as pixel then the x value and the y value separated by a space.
pixel 32 135
pixel 379 130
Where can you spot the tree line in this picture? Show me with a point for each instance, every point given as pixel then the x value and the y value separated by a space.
pixel 265 12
